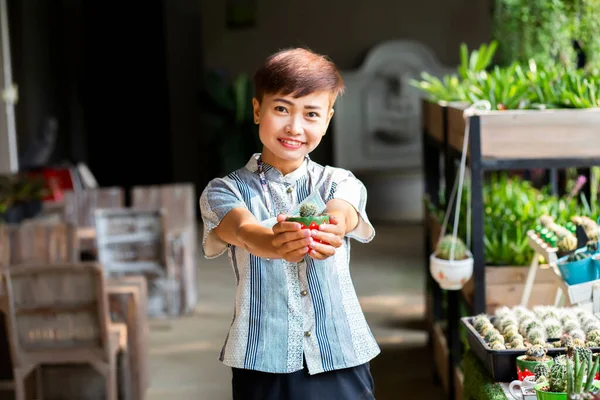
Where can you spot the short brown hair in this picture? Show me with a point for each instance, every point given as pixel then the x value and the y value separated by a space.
pixel 297 71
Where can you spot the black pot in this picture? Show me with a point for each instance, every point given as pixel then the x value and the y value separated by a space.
pixel 32 208
pixel 14 214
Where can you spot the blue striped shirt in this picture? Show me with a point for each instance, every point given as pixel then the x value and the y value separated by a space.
pixel 284 311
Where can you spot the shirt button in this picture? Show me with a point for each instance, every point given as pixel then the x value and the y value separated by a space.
pixel 290 189
pixel 307 333
pixel 304 293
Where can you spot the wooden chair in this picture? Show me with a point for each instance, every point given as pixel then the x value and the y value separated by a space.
pixel 128 302
pixel 80 206
pixel 38 242
pixel 58 314
pixel 179 203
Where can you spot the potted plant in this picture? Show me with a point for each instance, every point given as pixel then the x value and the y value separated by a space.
pixel 536 355
pixel 571 377
pixel 309 218
pixel 451 265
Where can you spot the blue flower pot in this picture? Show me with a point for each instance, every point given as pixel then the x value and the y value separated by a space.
pixel 581 271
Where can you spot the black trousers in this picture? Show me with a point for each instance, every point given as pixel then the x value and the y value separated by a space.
pixel 354 383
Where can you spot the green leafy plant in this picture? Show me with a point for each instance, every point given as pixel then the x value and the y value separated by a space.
pixel 513 206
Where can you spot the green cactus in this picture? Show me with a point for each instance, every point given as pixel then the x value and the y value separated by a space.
pixel 308 210
pixel 541 369
pixel 493 335
pixel 512 334
pixel 536 334
pixel 593 336
pixel 536 353
pixel 570 325
pixel 507 322
pixel 566 340
pixel 480 321
pixel 553 328
pixel 444 248
pixel 497 346
pixel 558 374
pixel 517 343
pixel 510 328
pixel 577 334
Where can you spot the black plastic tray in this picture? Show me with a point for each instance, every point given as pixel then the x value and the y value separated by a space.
pixel 501 364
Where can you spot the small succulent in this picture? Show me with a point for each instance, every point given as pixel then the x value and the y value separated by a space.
pixel 578 342
pixel 497 346
pixel 553 328
pixel 541 369
pixel 308 210
pixel 502 312
pixel 444 248
pixel 492 336
pixel 507 322
pixel 577 334
pixel 536 352
pixel 558 374
pixel 567 317
pixel 592 326
pixel 570 325
pixel 566 340
pixel 479 323
pixel 512 334
pixel 583 352
pixel 556 344
pixel 517 343
pixel 591 344
pixel 536 334
pixel 487 328
pixel 593 336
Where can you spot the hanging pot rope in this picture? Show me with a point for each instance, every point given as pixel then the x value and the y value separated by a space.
pixel 474 109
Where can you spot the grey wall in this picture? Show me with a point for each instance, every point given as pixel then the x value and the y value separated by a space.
pixel 343 29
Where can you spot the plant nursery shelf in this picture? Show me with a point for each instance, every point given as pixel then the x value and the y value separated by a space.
pixel 529 134
pixel 498 140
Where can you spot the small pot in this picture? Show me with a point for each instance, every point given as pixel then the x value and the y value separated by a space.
pixel 311 222
pixel 542 395
pixel 526 367
pixel 451 275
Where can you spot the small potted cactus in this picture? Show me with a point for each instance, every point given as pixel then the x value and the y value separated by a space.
pixel 535 355
pixel 451 265
pixel 309 218
pixel 570 378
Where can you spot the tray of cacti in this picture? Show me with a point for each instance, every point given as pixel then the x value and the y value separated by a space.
pixel 310 218
pixel 500 339
pixel 451 265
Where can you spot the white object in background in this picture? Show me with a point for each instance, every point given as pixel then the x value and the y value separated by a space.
pixel 88 180
pixel 9 159
pixel 377 122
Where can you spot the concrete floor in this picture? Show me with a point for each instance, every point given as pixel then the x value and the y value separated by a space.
pixel 389 277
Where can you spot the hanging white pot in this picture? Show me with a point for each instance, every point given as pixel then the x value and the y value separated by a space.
pixel 451 274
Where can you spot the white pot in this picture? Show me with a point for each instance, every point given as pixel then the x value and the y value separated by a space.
pixel 451 275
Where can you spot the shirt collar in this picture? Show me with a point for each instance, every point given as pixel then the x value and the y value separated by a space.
pixel 273 174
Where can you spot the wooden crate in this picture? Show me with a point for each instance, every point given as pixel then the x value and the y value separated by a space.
pixel 504 287
pixel 531 134
pixel 433 120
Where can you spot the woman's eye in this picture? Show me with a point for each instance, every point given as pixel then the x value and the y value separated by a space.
pixel 313 114
pixel 280 109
